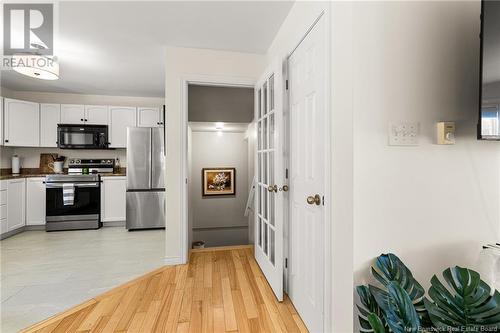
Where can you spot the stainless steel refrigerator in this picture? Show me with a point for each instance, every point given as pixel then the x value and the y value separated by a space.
pixel 145 178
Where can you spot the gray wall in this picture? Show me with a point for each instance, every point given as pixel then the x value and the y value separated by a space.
pixel 219 220
pixel 224 104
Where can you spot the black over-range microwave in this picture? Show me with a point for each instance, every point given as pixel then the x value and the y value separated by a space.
pixel 82 136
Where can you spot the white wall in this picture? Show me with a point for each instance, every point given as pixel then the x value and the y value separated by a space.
pixel 432 205
pixel 219 221
pixel 181 62
pixel 6 157
pixel 30 157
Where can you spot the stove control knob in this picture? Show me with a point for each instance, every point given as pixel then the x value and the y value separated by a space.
pixel 78 161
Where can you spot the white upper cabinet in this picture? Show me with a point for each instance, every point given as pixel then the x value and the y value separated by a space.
pixel 149 117
pixel 50 116
pixel 96 115
pixel 35 201
pixel 22 123
pixel 72 114
pixel 120 117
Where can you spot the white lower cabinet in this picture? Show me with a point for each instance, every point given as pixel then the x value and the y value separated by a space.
pixel 35 201
pixel 113 198
pixel 3 207
pixel 16 203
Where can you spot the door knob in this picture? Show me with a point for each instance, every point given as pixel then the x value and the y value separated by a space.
pixel 272 188
pixel 284 188
pixel 314 200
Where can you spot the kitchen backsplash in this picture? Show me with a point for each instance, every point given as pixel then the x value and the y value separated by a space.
pixel 30 157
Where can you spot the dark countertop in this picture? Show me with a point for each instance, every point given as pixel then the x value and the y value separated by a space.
pixel 35 175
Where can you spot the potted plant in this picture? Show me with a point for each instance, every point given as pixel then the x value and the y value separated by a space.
pixel 398 304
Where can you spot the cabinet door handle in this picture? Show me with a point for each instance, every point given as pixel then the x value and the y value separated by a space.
pixel 81 119
pixel 86 120
pixel 6 140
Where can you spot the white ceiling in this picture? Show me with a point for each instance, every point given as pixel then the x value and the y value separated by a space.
pixel 117 48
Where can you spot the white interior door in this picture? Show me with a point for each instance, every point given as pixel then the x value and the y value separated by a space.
pixel 270 177
pixel 308 137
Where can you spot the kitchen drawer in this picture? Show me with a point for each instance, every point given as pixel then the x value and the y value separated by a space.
pixel 3 212
pixel 3 197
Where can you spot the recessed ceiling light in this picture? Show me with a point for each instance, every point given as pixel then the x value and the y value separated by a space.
pixel 36 66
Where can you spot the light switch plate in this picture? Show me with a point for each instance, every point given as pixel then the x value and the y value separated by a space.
pixel 404 134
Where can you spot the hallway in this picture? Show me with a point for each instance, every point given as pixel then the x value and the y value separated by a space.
pixel 220 290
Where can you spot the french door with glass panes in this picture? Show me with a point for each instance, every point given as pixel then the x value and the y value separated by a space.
pixel 270 177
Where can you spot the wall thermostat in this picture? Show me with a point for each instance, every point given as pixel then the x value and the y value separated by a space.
pixel 446 133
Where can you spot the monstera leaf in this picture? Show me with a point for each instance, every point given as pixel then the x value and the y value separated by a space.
pixel 369 311
pixel 376 323
pixel 466 305
pixel 387 268
pixel 398 307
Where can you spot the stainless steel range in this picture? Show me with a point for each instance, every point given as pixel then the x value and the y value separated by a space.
pixel 73 202
pixel 93 165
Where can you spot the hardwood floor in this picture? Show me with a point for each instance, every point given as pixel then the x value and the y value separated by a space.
pixel 220 290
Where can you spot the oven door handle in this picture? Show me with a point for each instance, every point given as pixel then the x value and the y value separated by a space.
pixel 60 185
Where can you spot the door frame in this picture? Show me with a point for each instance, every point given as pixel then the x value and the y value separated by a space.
pixel 202 80
pixel 327 222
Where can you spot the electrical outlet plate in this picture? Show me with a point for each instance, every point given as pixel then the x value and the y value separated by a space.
pixel 404 134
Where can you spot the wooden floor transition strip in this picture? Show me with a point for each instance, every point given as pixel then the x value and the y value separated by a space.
pixel 219 290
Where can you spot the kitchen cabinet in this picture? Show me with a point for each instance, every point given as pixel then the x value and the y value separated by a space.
pixel 50 116
pixel 22 123
pixel 35 201
pixel 121 117
pixel 84 114
pixel 72 114
pixel 149 117
pixel 96 115
pixel 113 198
pixel 16 200
pixel 3 207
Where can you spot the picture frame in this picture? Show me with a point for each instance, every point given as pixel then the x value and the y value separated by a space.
pixel 218 182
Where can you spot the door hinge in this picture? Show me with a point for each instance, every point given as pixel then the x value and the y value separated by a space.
pixel 286 84
pixel 286 262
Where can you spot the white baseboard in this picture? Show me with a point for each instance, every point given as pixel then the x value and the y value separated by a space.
pixel 173 261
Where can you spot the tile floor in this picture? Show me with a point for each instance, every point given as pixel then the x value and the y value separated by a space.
pixel 45 273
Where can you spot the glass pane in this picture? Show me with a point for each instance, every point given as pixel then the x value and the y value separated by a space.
pixel 260 103
pixel 264 168
pixel 271 93
pixel 259 135
pixel 264 204
pixel 264 134
pixel 260 231
pixel 265 98
pixel 265 238
pixel 271 195
pixel 259 163
pixel 271 130
pixel 259 198
pixel 271 245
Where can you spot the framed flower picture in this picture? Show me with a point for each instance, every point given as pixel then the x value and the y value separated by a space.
pixel 218 181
